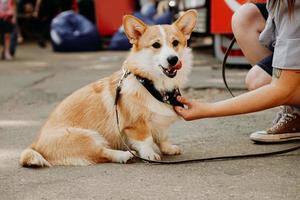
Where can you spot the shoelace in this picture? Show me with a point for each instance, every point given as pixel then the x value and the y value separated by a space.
pixel 278 116
pixel 285 118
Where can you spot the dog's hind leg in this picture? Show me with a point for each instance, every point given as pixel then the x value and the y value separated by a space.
pixel 76 146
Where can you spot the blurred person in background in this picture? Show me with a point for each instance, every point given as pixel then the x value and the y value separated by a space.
pixel 35 16
pixel 7 25
pixel 156 10
pixel 33 20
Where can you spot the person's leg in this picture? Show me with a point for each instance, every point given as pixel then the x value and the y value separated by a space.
pixel 13 42
pixel 260 74
pixel 6 47
pixel 1 45
pixel 6 28
pixel 286 125
pixel 2 28
pixel 41 31
pixel 256 78
pixel 247 23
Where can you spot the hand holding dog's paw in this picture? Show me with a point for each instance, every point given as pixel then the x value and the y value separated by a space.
pixel 193 109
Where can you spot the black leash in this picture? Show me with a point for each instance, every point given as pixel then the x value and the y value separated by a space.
pixel 224 63
pixel 208 159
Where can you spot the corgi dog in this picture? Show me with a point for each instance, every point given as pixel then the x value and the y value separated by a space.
pixel 82 130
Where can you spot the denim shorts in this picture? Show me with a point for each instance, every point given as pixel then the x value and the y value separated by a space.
pixel 266 64
pixel 262 7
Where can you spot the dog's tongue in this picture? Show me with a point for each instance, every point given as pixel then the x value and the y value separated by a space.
pixel 178 65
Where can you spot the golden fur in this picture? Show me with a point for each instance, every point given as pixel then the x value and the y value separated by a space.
pixel 82 129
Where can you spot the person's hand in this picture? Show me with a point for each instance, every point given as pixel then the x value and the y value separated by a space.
pixel 162 7
pixel 193 109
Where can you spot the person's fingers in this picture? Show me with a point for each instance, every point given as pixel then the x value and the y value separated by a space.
pixel 179 109
pixel 184 101
pixel 184 113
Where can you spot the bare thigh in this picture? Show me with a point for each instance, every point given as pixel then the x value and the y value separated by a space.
pixel 247 24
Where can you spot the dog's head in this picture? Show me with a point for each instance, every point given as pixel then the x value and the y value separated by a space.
pixel 160 52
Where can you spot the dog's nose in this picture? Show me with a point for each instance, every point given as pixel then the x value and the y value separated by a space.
pixel 172 60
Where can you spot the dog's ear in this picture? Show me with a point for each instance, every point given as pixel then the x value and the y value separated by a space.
pixel 133 28
pixel 186 22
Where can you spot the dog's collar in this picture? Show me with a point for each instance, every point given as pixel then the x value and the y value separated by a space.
pixel 168 97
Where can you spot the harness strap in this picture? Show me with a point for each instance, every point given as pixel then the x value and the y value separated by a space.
pixel 168 97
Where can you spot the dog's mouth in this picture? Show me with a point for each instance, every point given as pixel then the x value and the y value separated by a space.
pixel 171 71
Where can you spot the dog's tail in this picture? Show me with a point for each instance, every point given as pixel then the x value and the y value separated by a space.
pixel 32 158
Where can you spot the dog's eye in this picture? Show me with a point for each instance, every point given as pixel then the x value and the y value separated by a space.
pixel 175 43
pixel 156 45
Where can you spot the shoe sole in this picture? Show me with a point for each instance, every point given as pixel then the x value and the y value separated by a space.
pixel 274 138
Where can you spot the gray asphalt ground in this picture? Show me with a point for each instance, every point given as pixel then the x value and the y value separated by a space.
pixel 33 84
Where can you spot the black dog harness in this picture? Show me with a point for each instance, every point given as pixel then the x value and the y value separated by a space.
pixel 168 97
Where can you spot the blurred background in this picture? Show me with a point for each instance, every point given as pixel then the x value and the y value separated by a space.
pixel 95 25
pixel 50 48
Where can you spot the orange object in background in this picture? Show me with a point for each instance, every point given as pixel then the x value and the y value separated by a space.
pixel 109 14
pixel 221 13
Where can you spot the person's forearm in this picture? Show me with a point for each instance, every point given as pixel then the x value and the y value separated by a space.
pixel 283 90
pixel 263 98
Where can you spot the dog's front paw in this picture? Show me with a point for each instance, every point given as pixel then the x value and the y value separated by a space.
pixel 125 156
pixel 150 155
pixel 170 149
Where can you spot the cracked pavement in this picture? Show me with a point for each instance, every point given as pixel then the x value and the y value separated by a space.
pixel 33 84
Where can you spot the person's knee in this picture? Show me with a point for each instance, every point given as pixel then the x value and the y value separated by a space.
pixel 257 78
pixel 246 17
pixel 253 82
